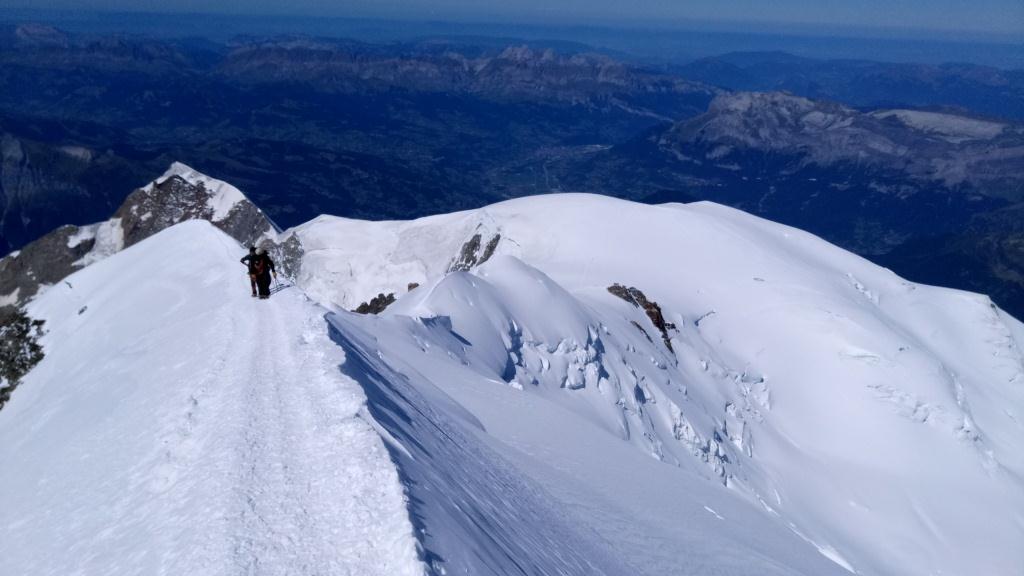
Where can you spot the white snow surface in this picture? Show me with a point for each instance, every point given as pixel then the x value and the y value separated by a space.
pixel 178 426
pixel 109 240
pixel 811 413
pixel 87 232
pixel 876 420
pixel 223 196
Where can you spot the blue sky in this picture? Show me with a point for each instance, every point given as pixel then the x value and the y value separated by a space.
pixel 997 16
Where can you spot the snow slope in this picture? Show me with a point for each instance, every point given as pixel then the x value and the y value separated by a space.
pixel 876 420
pixel 804 412
pixel 177 426
pixel 507 482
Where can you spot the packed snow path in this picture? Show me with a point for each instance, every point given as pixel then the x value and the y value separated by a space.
pixel 315 488
pixel 223 439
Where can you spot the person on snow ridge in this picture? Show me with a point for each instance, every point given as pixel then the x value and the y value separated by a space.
pixel 263 267
pixel 249 260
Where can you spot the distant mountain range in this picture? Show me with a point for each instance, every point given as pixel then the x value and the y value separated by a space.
pixel 869 181
pixel 314 126
pixel 914 166
pixel 968 87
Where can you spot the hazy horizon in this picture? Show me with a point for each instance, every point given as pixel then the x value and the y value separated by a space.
pixel 1003 18
pixel 665 42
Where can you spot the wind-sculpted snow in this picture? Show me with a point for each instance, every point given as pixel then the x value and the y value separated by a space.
pixel 855 408
pixel 511 481
pixel 476 513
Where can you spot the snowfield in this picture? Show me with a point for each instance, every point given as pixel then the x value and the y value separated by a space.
pixel 878 420
pixel 178 426
pixel 795 409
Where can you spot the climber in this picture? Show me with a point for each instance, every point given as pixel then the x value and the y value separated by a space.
pixel 263 267
pixel 250 260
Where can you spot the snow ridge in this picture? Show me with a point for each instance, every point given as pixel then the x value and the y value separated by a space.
pixel 198 434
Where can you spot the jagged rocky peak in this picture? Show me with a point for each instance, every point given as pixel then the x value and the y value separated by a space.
pixel 180 194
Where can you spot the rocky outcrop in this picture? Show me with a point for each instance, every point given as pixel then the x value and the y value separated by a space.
pixel 42 263
pixel 19 350
pixel 287 254
pixel 183 194
pixel 474 253
pixel 180 194
pixel 637 298
pixel 376 305
pixel 381 301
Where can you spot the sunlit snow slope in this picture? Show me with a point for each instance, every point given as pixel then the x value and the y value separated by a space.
pixel 178 426
pixel 804 412
pixel 876 420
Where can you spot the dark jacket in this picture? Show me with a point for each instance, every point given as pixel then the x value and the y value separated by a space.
pixel 249 260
